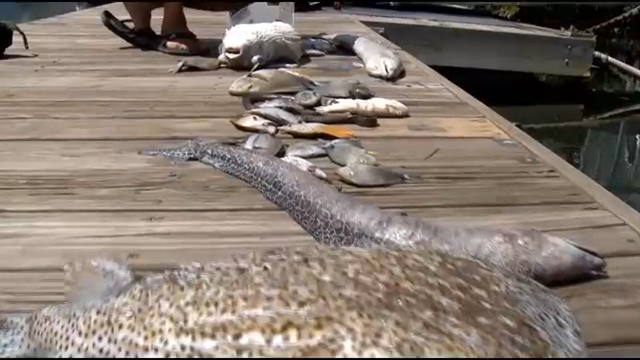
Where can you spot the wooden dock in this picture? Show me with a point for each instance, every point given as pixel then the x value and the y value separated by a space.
pixel 72 184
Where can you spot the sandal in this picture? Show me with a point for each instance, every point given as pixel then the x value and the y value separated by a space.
pixel 181 35
pixel 145 39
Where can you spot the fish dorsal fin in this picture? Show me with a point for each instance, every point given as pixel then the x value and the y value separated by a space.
pixel 95 280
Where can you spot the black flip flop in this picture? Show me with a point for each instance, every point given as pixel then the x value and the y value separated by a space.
pixel 182 35
pixel 145 39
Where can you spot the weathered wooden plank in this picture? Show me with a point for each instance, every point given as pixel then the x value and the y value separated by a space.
pixel 49 238
pixel 197 188
pixel 68 156
pixel 175 128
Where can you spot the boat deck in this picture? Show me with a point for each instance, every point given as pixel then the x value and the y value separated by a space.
pixel 72 184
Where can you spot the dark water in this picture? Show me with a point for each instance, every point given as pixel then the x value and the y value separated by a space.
pixel 607 150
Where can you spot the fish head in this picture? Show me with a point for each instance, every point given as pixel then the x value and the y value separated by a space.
pixel 246 85
pixel 361 91
pixel 386 68
pixel 244 41
pixel 345 172
pixel 14 340
pixel 562 261
pixel 367 159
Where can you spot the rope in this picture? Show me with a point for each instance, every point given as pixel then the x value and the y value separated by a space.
pixel 633 12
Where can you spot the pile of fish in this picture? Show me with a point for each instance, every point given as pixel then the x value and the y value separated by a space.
pixel 281 101
pixel 278 44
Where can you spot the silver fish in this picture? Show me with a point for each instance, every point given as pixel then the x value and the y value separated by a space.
pixel 379 61
pixel 266 143
pixel 336 219
pixel 305 150
pixel 346 152
pixel 362 175
pixel 336 301
pixel 306 166
pixel 378 107
pixel 254 123
pixel 276 115
pixel 307 98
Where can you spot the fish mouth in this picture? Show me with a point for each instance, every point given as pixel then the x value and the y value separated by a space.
pixel 233 52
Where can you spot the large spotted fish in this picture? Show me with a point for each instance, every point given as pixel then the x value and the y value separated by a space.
pixel 313 302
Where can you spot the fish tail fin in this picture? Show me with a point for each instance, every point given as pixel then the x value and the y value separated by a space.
pixel 335 131
pixel 14 336
pixel 366 121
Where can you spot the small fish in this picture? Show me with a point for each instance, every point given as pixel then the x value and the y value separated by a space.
pixel 379 107
pixel 283 102
pixel 346 153
pixel 318 45
pixel 254 123
pixel 379 61
pixel 271 81
pixel 305 150
pixel 306 166
pixel 248 46
pixel 266 143
pixel 363 175
pixel 307 98
pixel 341 118
pixel 315 130
pixel 276 115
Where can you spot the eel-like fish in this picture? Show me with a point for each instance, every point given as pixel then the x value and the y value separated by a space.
pixel 336 219
pixel 313 302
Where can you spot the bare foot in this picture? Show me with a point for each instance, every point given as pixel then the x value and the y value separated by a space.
pixel 185 44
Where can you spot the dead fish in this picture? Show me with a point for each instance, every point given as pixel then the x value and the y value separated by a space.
pixel 315 130
pixel 379 61
pixel 305 150
pixel 271 81
pixel 276 115
pixel 285 81
pixel 254 123
pixel 336 219
pixel 363 175
pixel 306 166
pixel 318 45
pixel 266 143
pixel 346 152
pixel 283 102
pixel 379 107
pixel 307 98
pixel 111 314
pixel 340 118
pixel 193 63
pixel 249 46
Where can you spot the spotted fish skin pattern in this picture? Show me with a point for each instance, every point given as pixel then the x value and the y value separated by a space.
pixel 336 219
pixel 318 301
